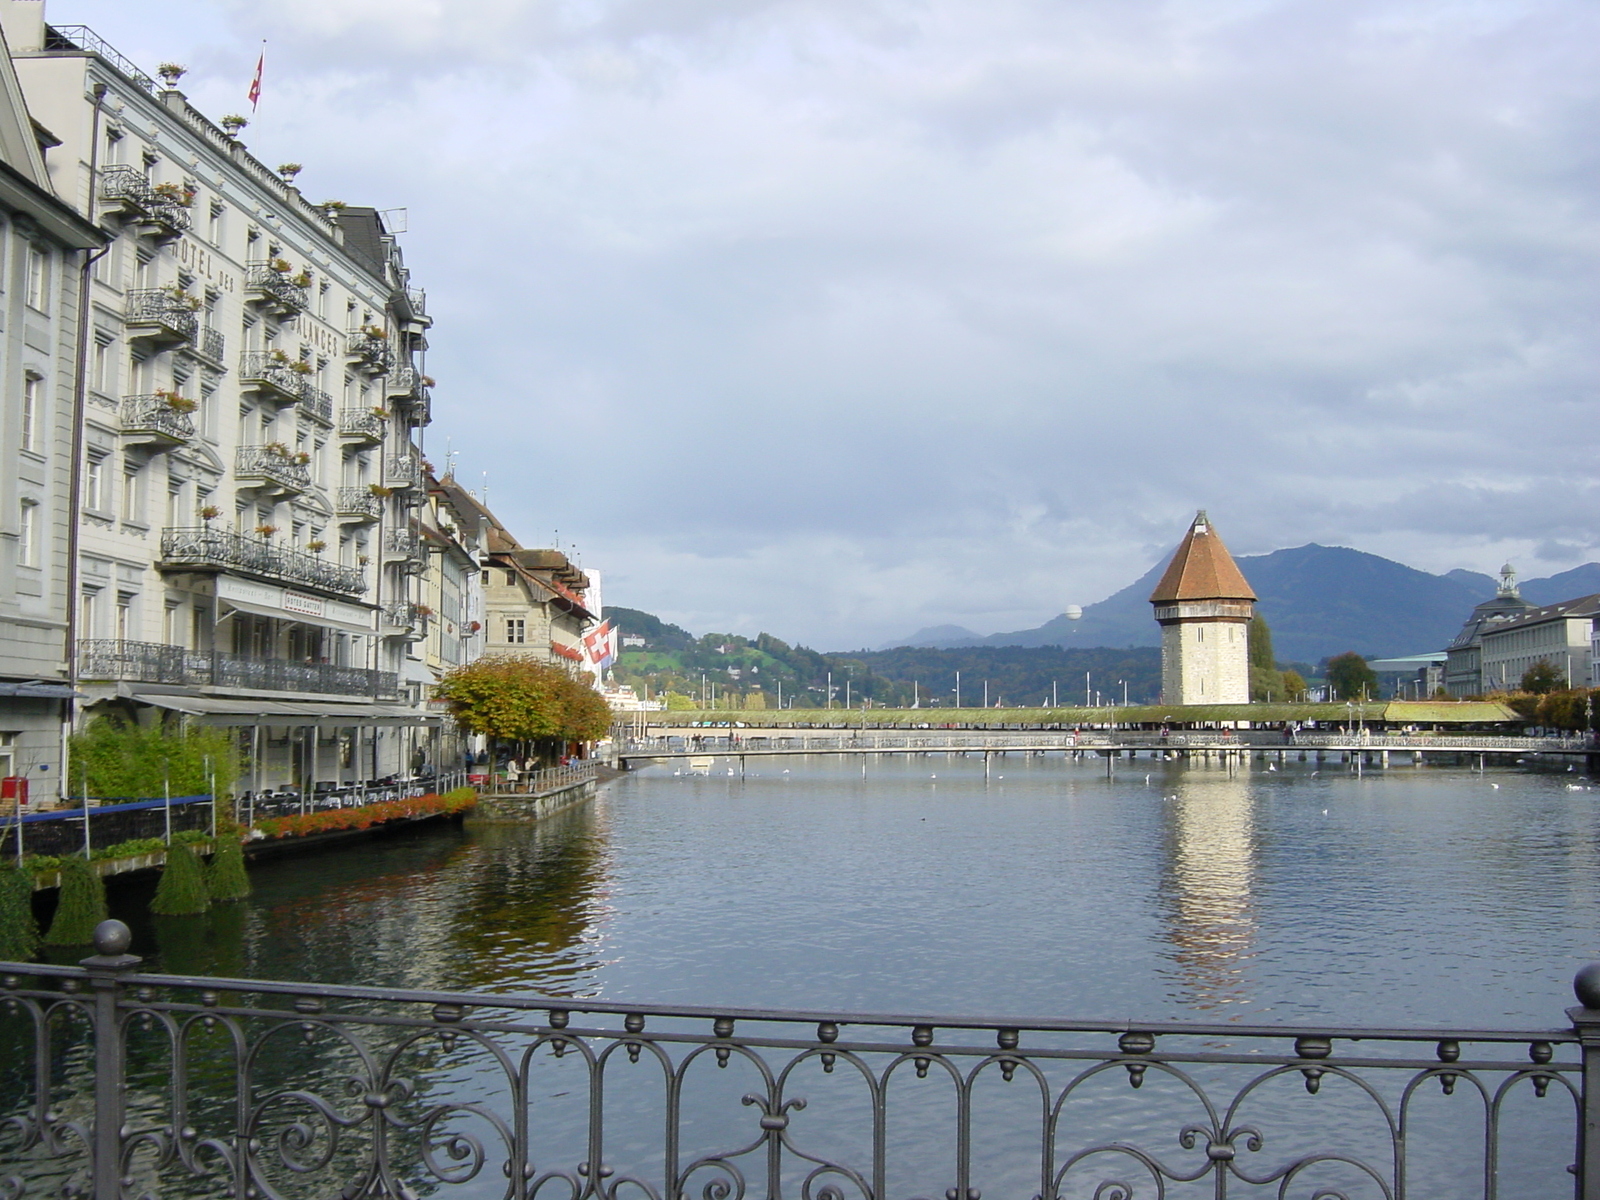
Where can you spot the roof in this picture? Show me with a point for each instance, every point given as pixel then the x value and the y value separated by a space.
pixel 1202 569
pixel 1581 608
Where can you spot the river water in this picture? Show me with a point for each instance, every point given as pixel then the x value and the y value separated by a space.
pixel 1409 896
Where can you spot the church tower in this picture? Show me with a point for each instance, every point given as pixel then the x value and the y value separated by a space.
pixel 1204 606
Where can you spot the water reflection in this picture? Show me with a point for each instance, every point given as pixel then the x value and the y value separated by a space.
pixel 1207 887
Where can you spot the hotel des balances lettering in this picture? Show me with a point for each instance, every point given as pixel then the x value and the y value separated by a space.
pixel 249 550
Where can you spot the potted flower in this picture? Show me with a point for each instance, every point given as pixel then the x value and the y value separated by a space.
pixel 266 531
pixel 316 546
pixel 209 513
pixel 332 206
pixel 176 402
pixel 362 560
pixel 427 381
pixel 376 332
pixel 171 72
pixel 302 457
pixel 233 122
pixel 422 610
pixel 476 625
pixel 302 280
pixel 381 413
pixel 280 265
pixel 175 193
pixel 380 491
pixel 289 171
pixel 301 367
pixel 277 449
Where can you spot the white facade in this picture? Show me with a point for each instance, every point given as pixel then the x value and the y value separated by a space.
pixel 1559 634
pixel 254 396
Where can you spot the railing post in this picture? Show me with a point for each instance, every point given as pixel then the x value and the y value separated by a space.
pixel 1586 1023
pixel 105 967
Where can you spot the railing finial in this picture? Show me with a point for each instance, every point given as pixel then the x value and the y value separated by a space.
pixel 1586 986
pixel 111 941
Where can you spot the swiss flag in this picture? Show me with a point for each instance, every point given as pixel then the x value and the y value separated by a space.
pixel 255 84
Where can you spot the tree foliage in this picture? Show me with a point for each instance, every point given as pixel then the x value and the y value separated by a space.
pixel 1542 678
pixel 1261 644
pixel 82 905
pixel 117 759
pixel 19 932
pixel 182 889
pixel 226 878
pixel 1350 676
pixel 513 698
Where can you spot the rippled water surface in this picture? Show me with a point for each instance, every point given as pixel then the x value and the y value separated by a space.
pixel 1407 896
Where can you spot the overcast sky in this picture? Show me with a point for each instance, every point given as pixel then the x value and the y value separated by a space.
pixel 841 318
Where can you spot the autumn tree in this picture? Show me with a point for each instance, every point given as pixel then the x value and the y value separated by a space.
pixel 1542 678
pixel 512 698
pixel 1350 677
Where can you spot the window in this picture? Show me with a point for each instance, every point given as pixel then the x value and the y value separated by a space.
pixel 94 483
pixel 100 377
pixel 37 287
pixel 124 626
pixel 8 754
pixel 214 231
pixel 27 533
pixel 132 510
pixel 89 613
pixel 511 579
pixel 32 398
pixel 516 630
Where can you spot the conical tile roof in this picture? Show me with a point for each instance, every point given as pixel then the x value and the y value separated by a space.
pixel 1202 569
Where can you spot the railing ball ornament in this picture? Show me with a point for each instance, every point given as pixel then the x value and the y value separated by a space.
pixel 112 938
pixel 1586 986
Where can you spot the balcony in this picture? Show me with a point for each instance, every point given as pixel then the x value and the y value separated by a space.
pixel 271 467
pixel 161 210
pixel 273 289
pixel 161 317
pixel 157 420
pixel 403 471
pixel 166 220
pixel 151 662
pixel 404 547
pixel 403 382
pixel 358 504
pixel 211 345
pixel 271 374
pixel 369 348
pixel 362 425
pixel 316 403
pixel 205 548
pixel 127 190
pixel 401 619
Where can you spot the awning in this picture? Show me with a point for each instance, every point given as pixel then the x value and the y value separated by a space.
pixel 38 691
pixel 221 710
pixel 266 610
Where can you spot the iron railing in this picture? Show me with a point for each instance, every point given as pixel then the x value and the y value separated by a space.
pixel 316 403
pixel 403 471
pixel 81 37
pixel 401 614
pixel 359 502
pixel 273 287
pixel 170 316
pixel 212 344
pixel 153 662
pixel 130 1084
pixel 403 380
pixel 261 462
pixel 372 353
pixel 362 423
pixel 402 543
pixel 546 779
pixel 263 369
pixel 155 414
pixel 222 549
pixel 128 186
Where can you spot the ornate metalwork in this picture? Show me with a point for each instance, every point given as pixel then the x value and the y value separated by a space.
pixel 362 423
pixel 268 465
pixel 372 353
pixel 212 344
pixel 402 543
pixel 132 1085
pixel 157 313
pixel 317 403
pixel 153 662
pixel 263 371
pixel 266 285
pixel 403 471
pixel 359 502
pixel 156 415
pixel 220 549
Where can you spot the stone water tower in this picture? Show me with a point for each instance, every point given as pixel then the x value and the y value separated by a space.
pixel 1204 606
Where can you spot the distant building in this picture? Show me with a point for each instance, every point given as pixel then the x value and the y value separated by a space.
pixel 1558 634
pixel 1204 606
pixel 1463 670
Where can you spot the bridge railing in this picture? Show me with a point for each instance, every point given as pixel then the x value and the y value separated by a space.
pixel 126 1084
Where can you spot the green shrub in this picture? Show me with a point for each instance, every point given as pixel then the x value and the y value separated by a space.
pixel 130 848
pixel 114 759
pixel 182 889
pixel 81 907
pixel 226 875
pixel 19 932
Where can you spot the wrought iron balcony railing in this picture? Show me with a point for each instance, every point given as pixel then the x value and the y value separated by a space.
pixel 160 209
pixel 266 285
pixel 271 466
pixel 157 314
pixel 317 403
pixel 223 550
pixel 128 187
pixel 371 352
pixel 362 423
pixel 403 471
pixel 402 543
pixel 171 1083
pixel 404 619
pixel 212 344
pixel 402 381
pixel 155 416
pixel 359 502
pixel 272 374
pixel 152 662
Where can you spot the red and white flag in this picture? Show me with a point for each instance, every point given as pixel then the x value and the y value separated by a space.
pixel 255 84
pixel 599 645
